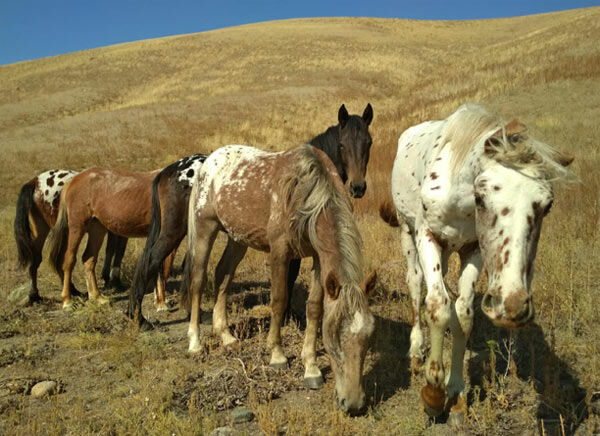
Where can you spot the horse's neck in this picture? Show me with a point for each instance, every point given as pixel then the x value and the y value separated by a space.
pixel 328 141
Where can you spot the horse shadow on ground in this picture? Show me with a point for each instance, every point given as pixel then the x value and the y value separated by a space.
pixel 390 369
pixel 535 360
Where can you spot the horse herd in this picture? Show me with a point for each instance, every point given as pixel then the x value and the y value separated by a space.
pixel 470 183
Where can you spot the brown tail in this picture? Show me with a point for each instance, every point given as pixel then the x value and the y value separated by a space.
pixel 387 212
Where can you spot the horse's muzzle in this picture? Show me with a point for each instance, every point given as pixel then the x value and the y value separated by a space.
pixel 357 190
pixel 507 314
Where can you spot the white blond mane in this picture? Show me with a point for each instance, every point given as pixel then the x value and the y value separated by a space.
pixel 309 191
pixel 472 123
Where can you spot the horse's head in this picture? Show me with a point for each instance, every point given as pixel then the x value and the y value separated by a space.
pixel 346 336
pixel 354 147
pixel 511 203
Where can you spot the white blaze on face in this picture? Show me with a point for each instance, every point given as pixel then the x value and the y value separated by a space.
pixel 357 323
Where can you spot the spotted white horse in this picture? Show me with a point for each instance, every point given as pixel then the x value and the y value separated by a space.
pixel 477 186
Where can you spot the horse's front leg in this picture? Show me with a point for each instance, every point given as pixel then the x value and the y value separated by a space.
pixel 437 315
pixel 461 324
pixel 314 310
pixel 279 295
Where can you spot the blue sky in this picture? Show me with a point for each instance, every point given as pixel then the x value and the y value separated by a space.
pixel 30 29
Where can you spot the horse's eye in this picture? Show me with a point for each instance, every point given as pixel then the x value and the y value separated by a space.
pixel 515 138
pixel 479 201
pixel 547 209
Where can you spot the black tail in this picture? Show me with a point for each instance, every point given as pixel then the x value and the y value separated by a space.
pixel 23 237
pixel 59 237
pixel 143 283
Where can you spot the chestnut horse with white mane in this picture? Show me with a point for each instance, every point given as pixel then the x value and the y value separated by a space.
pixel 475 185
pixel 292 205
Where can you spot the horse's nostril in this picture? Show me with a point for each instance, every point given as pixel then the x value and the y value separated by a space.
pixel 343 404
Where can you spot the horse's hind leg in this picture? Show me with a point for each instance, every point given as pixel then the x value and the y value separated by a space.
pixel 232 256
pixel 40 231
pixel 96 232
pixel 160 301
pixel 108 257
pixel 414 281
pixel 111 270
pixel 314 310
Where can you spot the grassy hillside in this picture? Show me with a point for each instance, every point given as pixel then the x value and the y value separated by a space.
pixel 142 105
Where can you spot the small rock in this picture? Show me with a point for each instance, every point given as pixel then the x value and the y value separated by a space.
pixel 43 389
pixel 241 414
pixel 20 296
pixel 221 431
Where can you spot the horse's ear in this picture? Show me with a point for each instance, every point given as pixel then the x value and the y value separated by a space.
pixel 368 114
pixel 515 127
pixel 332 285
pixel 563 159
pixel 369 283
pixel 343 116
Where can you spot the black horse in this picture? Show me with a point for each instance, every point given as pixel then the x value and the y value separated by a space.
pixel 347 144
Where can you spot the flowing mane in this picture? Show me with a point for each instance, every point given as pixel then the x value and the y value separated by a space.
pixel 309 191
pixel 472 123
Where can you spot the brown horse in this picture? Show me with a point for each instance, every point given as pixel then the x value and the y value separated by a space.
pixel 291 204
pixel 347 144
pixel 94 201
pixel 36 214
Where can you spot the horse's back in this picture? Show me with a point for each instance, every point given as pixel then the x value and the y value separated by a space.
pixel 236 185
pixel 416 151
pixel 119 199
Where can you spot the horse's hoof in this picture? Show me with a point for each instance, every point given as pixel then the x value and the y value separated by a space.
pixel 278 365
pixel 313 382
pixel 161 307
pixel 67 305
pixel 456 419
pixel 433 400
pixel 33 298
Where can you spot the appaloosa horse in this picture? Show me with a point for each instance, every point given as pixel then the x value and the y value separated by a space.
pixel 97 200
pixel 290 204
pixel 478 186
pixel 348 146
pixel 36 213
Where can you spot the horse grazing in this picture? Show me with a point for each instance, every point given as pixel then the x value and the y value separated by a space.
pixel 290 204
pixel 36 213
pixel 475 185
pixel 348 146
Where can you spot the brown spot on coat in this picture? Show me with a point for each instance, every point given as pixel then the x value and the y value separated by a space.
pixel 505 211
pixel 506 254
pixel 433 176
pixel 50 181
pixel 494 220
pixel 435 187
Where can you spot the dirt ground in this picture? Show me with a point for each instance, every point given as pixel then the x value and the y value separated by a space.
pixel 114 380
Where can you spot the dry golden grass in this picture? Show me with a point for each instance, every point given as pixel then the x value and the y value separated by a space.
pixel 144 104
